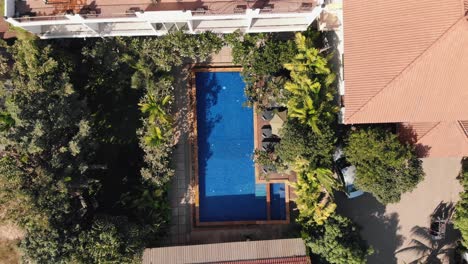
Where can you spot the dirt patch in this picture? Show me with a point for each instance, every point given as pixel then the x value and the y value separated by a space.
pixel 9 253
pixel 10 232
pixel 10 236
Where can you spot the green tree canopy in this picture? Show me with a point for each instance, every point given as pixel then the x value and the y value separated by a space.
pixel 262 57
pixel 299 141
pixel 312 95
pixel 460 219
pixel 76 171
pixel 337 241
pixel 385 167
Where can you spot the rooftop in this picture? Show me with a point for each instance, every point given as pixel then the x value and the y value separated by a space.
pixel 112 8
pixel 265 251
pixel 405 62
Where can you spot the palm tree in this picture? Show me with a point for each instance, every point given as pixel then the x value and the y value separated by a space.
pixel 154 137
pixel 323 176
pixel 427 249
pixel 313 190
pixel 310 83
pixel 156 109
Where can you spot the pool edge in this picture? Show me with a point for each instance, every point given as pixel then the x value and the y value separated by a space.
pixel 193 140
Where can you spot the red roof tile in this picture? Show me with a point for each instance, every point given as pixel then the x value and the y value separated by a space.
pixel 291 260
pixel 405 61
pixel 443 139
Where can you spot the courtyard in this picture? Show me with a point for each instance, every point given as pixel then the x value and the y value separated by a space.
pixel 392 228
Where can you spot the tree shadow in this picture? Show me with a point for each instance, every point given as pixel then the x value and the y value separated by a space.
pixel 407 134
pixel 379 229
pixel 208 89
pixel 426 247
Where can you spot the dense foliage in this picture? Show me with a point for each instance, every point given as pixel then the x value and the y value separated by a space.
pixel 338 242
pixel 312 94
pixel 313 189
pixel 385 167
pixel 86 138
pixel 460 219
pixel 299 76
pixel 299 141
pixel 262 57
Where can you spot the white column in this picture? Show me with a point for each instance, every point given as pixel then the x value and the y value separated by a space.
pixel 143 16
pixel 82 21
pixel 250 14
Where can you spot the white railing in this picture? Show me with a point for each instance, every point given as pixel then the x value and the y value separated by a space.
pixel 225 23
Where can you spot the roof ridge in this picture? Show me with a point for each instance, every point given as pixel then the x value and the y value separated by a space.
pixel 429 131
pixel 463 128
pixel 417 58
pixel 462 2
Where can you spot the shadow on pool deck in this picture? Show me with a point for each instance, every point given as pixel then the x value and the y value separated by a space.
pixel 380 230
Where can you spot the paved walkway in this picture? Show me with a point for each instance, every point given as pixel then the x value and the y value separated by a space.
pixel 180 187
pixel 179 191
pixel 390 228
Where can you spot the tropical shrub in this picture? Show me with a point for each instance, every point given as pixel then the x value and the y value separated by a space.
pixel 84 168
pixel 262 57
pixel 269 159
pixel 385 167
pixel 313 189
pixel 460 219
pixel 337 241
pixel 312 94
pixel 299 141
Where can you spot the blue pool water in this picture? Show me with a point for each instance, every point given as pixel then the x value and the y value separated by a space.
pixel 278 202
pixel 225 148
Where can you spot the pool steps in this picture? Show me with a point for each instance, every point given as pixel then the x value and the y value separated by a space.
pixel 260 190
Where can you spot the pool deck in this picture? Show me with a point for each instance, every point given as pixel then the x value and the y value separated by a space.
pixel 194 155
pixel 181 229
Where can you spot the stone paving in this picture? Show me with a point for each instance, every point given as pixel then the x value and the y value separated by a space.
pixel 179 195
pixel 391 228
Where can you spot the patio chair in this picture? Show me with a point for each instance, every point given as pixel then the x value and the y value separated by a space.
pixel 268 114
pixel 266 131
pixel 268 144
pixel 268 169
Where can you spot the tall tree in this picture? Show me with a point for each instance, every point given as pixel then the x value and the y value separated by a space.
pixel 312 96
pixel 337 242
pixel 385 167
pixel 460 219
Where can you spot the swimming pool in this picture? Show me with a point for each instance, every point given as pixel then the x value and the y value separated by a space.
pixel 226 173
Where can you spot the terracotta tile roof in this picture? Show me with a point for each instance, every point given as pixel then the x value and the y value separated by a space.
pixel 405 61
pixel 443 139
pixel 291 260
pixel 234 252
pixel 464 125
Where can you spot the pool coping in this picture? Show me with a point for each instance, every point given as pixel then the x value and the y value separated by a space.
pixel 194 154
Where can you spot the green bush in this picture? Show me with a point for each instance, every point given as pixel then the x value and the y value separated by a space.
pixel 299 141
pixel 84 171
pixel 262 57
pixel 337 241
pixel 385 167
pixel 460 219
pixel 311 98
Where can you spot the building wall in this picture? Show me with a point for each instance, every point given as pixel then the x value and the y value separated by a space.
pixel 155 23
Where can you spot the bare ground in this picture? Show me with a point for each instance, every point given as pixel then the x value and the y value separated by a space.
pixel 9 237
pixel 392 228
